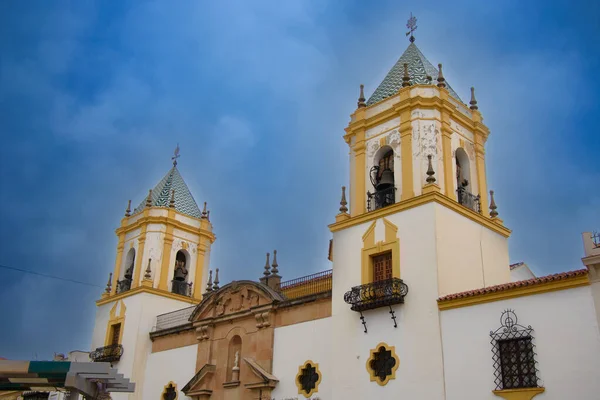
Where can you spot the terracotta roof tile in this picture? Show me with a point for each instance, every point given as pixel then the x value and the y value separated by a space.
pixel 511 285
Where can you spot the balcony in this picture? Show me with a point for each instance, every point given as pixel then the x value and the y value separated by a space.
pixel 307 285
pixel 381 198
pixel 468 200
pixel 181 287
pixel 110 353
pixel 123 285
pixel 376 294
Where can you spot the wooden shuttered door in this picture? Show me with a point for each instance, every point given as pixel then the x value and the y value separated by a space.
pixel 382 267
pixel 116 332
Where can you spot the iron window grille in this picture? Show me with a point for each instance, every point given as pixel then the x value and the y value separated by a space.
pixel 308 378
pixel 468 200
pixel 381 198
pixel 170 392
pixel 514 354
pixel 382 364
pixel 181 287
pixel 123 285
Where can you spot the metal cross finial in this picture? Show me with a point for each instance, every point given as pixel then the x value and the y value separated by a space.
pixel 175 155
pixel 412 26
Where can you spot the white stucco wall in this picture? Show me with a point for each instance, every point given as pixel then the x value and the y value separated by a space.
pixel 176 365
pixel 417 337
pixel 140 318
pixel 565 335
pixel 293 346
pixel 521 273
pixel 469 256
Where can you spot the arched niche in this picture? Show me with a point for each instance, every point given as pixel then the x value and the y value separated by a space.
pixel 129 264
pixel 463 170
pixel 234 357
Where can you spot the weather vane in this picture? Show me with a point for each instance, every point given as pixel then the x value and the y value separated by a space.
pixel 412 26
pixel 175 155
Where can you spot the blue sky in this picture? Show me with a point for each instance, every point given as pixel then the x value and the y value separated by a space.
pixel 94 97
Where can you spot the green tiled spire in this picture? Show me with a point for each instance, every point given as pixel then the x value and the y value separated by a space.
pixel 419 68
pixel 161 195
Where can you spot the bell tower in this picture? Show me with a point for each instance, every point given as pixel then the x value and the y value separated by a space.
pixel 162 261
pixel 420 224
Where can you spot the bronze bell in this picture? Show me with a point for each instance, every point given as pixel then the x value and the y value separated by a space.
pixel 180 271
pixel 386 181
pixel 129 272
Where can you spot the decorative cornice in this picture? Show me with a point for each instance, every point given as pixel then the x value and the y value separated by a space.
pixel 150 219
pixel 412 202
pixel 149 290
pixel 550 283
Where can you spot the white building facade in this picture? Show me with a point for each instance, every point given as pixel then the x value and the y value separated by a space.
pixel 420 302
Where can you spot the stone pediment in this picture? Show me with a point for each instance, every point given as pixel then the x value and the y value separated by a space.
pixel 236 297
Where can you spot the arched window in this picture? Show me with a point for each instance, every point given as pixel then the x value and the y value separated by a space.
pixel 382 179
pixel 234 356
pixel 129 264
pixel 463 181
pixel 180 275
pixel 463 170
pixel 125 283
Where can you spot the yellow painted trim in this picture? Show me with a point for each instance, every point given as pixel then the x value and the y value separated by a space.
pixel 406 159
pixel 371 249
pixel 150 290
pixel 372 356
pixel 149 219
pixel 544 287
pixel 519 394
pixel 359 193
pixel 418 201
pixel 171 383
pixel 199 278
pixel 411 103
pixel 447 152
pixel 166 258
pixel 118 262
pixel 299 386
pixel 481 180
pixel 137 270
pixel 115 319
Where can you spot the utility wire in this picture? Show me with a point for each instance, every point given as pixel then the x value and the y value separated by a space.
pixel 49 276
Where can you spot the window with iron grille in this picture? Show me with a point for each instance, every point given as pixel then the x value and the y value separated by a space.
pixel 513 354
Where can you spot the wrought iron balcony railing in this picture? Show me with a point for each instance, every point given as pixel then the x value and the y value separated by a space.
pixel 307 285
pixel 181 287
pixel 110 353
pixel 376 294
pixel 468 200
pixel 123 285
pixel 381 198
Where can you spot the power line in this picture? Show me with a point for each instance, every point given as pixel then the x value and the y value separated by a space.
pixel 49 276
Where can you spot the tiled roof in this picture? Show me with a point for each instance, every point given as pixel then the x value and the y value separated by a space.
pixel 418 70
pixel 511 285
pixel 161 195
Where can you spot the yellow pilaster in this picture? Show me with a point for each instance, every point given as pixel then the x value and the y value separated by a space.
pixel 449 189
pixel 118 260
pixel 139 257
pixel 481 180
pixel 408 190
pixel 199 281
pixel 359 192
pixel 166 258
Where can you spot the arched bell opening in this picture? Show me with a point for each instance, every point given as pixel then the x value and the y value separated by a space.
pixel 125 283
pixel 382 179
pixel 179 283
pixel 463 181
